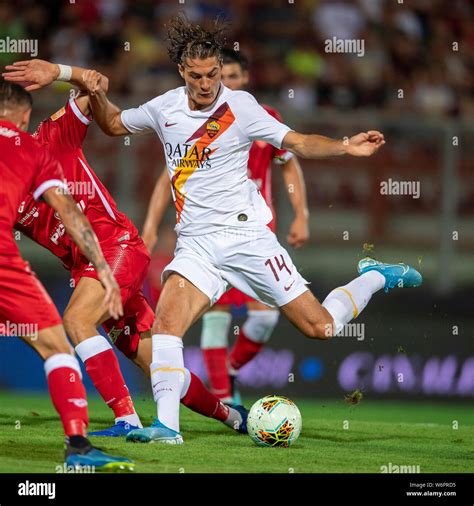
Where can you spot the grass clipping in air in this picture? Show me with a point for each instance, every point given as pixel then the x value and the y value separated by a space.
pixel 354 398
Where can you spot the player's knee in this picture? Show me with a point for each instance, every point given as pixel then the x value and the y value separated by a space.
pixel 165 323
pixel 49 344
pixel 78 328
pixel 71 324
pixel 322 330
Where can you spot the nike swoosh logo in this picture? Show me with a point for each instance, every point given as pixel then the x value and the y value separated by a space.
pixel 158 382
pixel 170 124
pixel 288 287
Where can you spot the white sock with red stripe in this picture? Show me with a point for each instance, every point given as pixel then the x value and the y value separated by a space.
pixel 104 370
pixel 347 302
pixel 167 377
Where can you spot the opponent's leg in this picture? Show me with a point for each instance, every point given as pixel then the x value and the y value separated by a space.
pixel 214 336
pixel 84 313
pixel 255 332
pixel 197 397
pixel 69 398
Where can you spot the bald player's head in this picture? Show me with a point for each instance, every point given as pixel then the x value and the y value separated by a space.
pixel 15 104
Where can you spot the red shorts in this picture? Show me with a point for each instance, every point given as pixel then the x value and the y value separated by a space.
pixel 25 306
pixel 138 317
pixel 234 297
pixel 129 263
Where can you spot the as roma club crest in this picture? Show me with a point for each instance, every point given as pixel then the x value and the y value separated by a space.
pixel 212 128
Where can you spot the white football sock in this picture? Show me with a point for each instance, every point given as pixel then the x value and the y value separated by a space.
pixel 348 301
pixel 215 329
pixel 186 383
pixel 259 325
pixel 167 377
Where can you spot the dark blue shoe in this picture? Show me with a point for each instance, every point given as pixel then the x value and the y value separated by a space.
pixel 96 460
pixel 120 429
pixel 396 275
pixel 244 413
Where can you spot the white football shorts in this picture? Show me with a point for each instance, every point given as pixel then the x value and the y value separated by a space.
pixel 253 261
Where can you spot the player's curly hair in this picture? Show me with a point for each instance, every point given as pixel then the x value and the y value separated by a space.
pixel 186 40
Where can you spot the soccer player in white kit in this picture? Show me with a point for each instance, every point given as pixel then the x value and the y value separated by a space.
pixel 206 131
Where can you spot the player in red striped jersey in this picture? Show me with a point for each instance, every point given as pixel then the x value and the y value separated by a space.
pixel 222 367
pixel 63 134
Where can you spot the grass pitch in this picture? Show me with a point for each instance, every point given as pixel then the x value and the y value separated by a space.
pixel 376 434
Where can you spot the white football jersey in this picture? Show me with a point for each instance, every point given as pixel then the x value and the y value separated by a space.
pixel 207 153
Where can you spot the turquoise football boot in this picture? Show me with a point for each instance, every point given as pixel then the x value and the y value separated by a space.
pixel 396 275
pixel 156 432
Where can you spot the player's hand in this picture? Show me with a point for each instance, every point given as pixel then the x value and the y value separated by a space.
pixel 92 81
pixel 31 74
pixel 365 143
pixel 112 299
pixel 299 233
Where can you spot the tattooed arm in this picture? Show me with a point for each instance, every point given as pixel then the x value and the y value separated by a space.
pixel 79 228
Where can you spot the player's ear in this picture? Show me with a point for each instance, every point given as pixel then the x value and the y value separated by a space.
pixel 181 70
pixel 25 119
pixel 246 77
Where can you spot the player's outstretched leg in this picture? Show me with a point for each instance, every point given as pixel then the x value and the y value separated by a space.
pixel 322 321
pixel 396 275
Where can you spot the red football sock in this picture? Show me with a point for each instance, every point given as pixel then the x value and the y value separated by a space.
pixel 104 371
pixel 68 393
pixel 217 373
pixel 202 401
pixel 243 351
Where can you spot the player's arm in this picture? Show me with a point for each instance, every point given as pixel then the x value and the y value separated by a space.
pixel 257 124
pixel 296 189
pixel 159 201
pixel 78 227
pixel 106 114
pixel 41 73
pixel 318 146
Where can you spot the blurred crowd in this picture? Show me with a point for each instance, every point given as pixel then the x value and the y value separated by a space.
pixel 418 55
